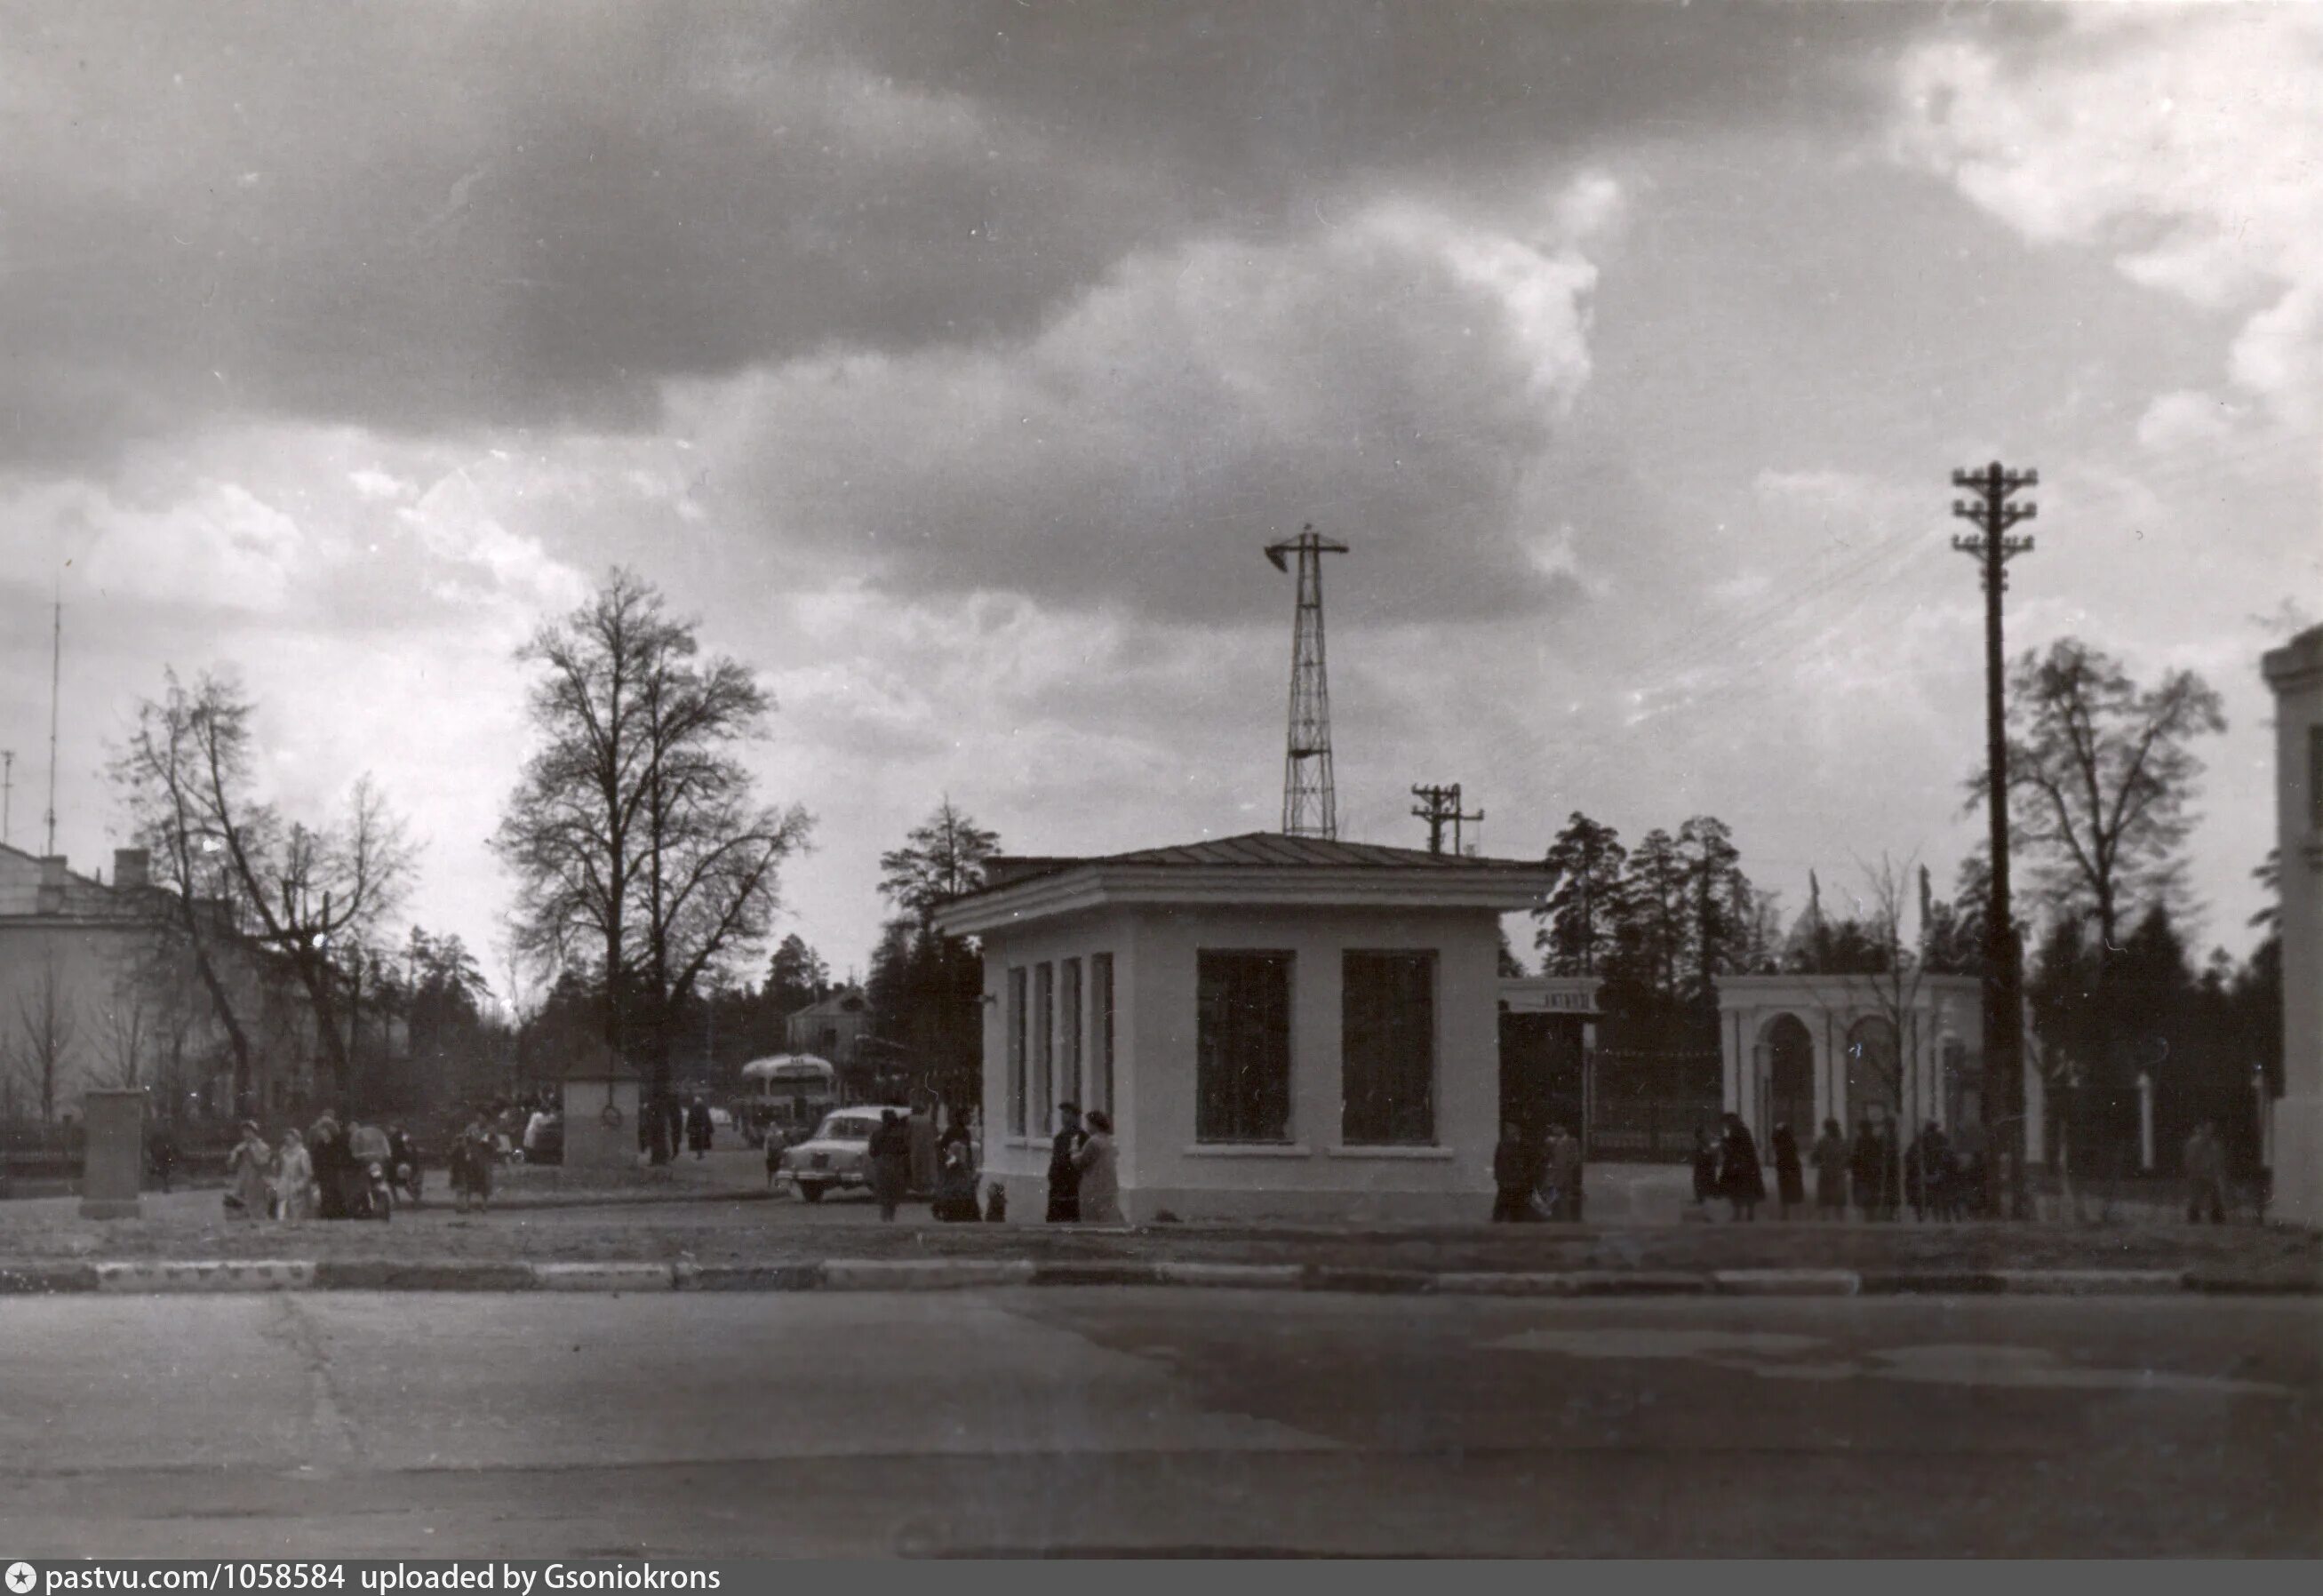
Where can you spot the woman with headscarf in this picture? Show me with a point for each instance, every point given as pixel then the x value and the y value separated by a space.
pixel 1100 1167
pixel 1741 1181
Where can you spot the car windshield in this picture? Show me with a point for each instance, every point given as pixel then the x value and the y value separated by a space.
pixel 836 1129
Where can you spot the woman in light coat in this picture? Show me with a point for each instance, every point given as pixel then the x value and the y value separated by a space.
pixel 294 1180
pixel 246 1168
pixel 1099 1165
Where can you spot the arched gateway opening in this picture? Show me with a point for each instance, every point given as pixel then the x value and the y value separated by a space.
pixel 1874 1069
pixel 1789 1052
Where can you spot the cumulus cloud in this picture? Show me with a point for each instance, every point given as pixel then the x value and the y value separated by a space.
pixel 1393 379
pixel 2186 141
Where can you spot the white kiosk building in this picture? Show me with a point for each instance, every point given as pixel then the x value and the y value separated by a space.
pixel 1277 1026
pixel 2294 1143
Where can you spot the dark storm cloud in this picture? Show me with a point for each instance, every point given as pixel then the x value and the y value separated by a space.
pixel 420 216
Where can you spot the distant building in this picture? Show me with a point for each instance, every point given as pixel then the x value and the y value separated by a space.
pixel 1278 1025
pixel 2295 673
pixel 95 991
pixel 834 1029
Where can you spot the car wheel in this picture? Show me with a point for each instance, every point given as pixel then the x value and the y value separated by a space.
pixel 810 1193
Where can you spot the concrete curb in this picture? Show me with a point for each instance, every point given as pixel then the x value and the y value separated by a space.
pixel 141 1277
pixel 145 1279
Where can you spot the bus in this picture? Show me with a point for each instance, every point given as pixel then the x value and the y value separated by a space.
pixel 786 1094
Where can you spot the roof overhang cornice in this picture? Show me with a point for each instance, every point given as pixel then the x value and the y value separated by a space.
pixel 1240 887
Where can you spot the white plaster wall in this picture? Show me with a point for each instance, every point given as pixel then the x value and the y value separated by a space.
pixel 1315 1175
pixel 1020 1163
pixel 1155 954
pixel 2296 674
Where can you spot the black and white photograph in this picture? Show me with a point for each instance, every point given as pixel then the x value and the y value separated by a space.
pixel 1156 779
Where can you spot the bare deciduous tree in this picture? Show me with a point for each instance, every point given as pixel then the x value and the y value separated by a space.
pixel 310 893
pixel 47 1028
pixel 642 854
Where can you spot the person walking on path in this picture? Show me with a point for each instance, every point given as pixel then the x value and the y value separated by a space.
pixel 1100 1167
pixel 701 1130
pixel 1564 1174
pixel 1705 1167
pixel 246 1170
pixel 956 1179
pixel 161 1152
pixel 1863 1170
pixel 1512 1177
pixel 294 1180
pixel 1740 1178
pixel 1790 1179
pixel 2206 1176
pixel 471 1175
pixel 921 1130
pixel 890 1153
pixel 1064 1174
pixel 1831 1172
pixel 334 1163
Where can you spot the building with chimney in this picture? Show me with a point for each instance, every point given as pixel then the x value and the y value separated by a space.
pixel 97 989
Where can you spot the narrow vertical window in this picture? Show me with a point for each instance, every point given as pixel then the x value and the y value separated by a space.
pixel 1241 1069
pixel 1016 1051
pixel 1045 1047
pixel 1387 1041
pixel 1101 1026
pixel 1069 1033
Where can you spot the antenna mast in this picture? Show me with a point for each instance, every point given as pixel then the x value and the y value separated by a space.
pixel 1310 804
pixel 7 793
pixel 56 679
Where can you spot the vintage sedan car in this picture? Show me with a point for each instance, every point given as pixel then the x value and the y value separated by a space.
pixel 838 1155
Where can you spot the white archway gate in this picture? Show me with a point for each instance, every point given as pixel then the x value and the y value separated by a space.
pixel 1912 1048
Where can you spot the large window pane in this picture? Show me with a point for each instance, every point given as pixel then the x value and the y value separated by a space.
pixel 1044 1046
pixel 1387 1058
pixel 1101 1025
pixel 1016 1051
pixel 1068 1035
pixel 1243 1051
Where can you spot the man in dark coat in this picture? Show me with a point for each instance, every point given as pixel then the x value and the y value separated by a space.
pixel 1863 1169
pixel 162 1150
pixel 1790 1175
pixel 1740 1180
pixel 335 1167
pixel 700 1128
pixel 890 1153
pixel 1513 1170
pixel 1064 1174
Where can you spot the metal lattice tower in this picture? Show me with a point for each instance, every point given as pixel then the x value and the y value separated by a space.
pixel 1310 805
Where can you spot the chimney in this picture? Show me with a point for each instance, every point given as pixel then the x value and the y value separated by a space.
pixel 132 869
pixel 51 900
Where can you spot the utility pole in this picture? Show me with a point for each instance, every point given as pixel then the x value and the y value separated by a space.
pixel 1310 804
pixel 1440 807
pixel 2003 968
pixel 7 794
pixel 56 688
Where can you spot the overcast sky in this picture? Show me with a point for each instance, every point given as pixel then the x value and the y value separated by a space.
pixel 953 364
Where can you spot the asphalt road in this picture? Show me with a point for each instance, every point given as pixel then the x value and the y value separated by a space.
pixel 1138 1421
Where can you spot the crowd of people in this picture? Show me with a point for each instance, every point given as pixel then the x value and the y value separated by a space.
pixel 1937 1176
pixel 312 1174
